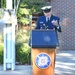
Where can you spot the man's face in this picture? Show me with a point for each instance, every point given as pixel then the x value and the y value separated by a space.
pixel 47 14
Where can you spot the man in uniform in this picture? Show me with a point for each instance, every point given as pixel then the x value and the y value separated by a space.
pixel 48 21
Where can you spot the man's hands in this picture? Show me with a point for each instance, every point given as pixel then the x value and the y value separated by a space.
pixel 55 22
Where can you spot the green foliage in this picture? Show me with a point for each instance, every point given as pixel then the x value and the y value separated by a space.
pixel 1 38
pixel 1 13
pixel 34 5
pixel 27 8
pixel 24 21
pixel 4 4
pixel 22 37
pixel 1 48
pixel 23 16
pixel 1 53
pixel 23 52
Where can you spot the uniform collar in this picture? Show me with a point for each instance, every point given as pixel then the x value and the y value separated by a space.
pixel 48 18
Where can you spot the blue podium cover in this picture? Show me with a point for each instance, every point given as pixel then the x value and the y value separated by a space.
pixel 43 39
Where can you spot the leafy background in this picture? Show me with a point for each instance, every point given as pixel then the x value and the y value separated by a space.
pixel 23 50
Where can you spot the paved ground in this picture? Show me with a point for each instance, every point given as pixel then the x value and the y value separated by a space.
pixel 65 65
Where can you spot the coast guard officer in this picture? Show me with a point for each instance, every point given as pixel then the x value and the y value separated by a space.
pixel 48 21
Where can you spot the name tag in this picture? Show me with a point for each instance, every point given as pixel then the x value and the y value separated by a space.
pixel 41 22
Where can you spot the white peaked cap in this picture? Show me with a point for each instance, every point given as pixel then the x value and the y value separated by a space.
pixel 46 7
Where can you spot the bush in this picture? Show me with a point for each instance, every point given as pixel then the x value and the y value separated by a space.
pixel 1 48
pixel 1 38
pixel 1 54
pixel 27 8
pixel 22 37
pixel 23 52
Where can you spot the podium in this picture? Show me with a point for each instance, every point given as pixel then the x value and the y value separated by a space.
pixel 43 43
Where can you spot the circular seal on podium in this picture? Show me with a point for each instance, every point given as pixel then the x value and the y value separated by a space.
pixel 43 60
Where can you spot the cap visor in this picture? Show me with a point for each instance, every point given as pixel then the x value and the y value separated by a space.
pixel 48 10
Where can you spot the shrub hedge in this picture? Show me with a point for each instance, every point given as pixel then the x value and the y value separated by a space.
pixel 23 51
pixel 23 54
pixel 1 53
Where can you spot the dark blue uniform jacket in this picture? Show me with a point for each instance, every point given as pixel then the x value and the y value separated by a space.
pixel 43 24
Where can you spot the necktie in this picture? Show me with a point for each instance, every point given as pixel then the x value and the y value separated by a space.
pixel 47 21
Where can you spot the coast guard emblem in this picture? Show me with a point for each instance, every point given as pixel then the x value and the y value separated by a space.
pixel 43 60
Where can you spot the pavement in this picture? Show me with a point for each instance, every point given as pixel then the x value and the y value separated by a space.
pixel 64 65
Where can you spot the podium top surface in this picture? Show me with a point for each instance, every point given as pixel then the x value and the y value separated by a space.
pixel 44 38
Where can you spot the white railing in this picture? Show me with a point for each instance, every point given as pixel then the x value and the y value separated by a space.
pixel 9 21
pixel 16 4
